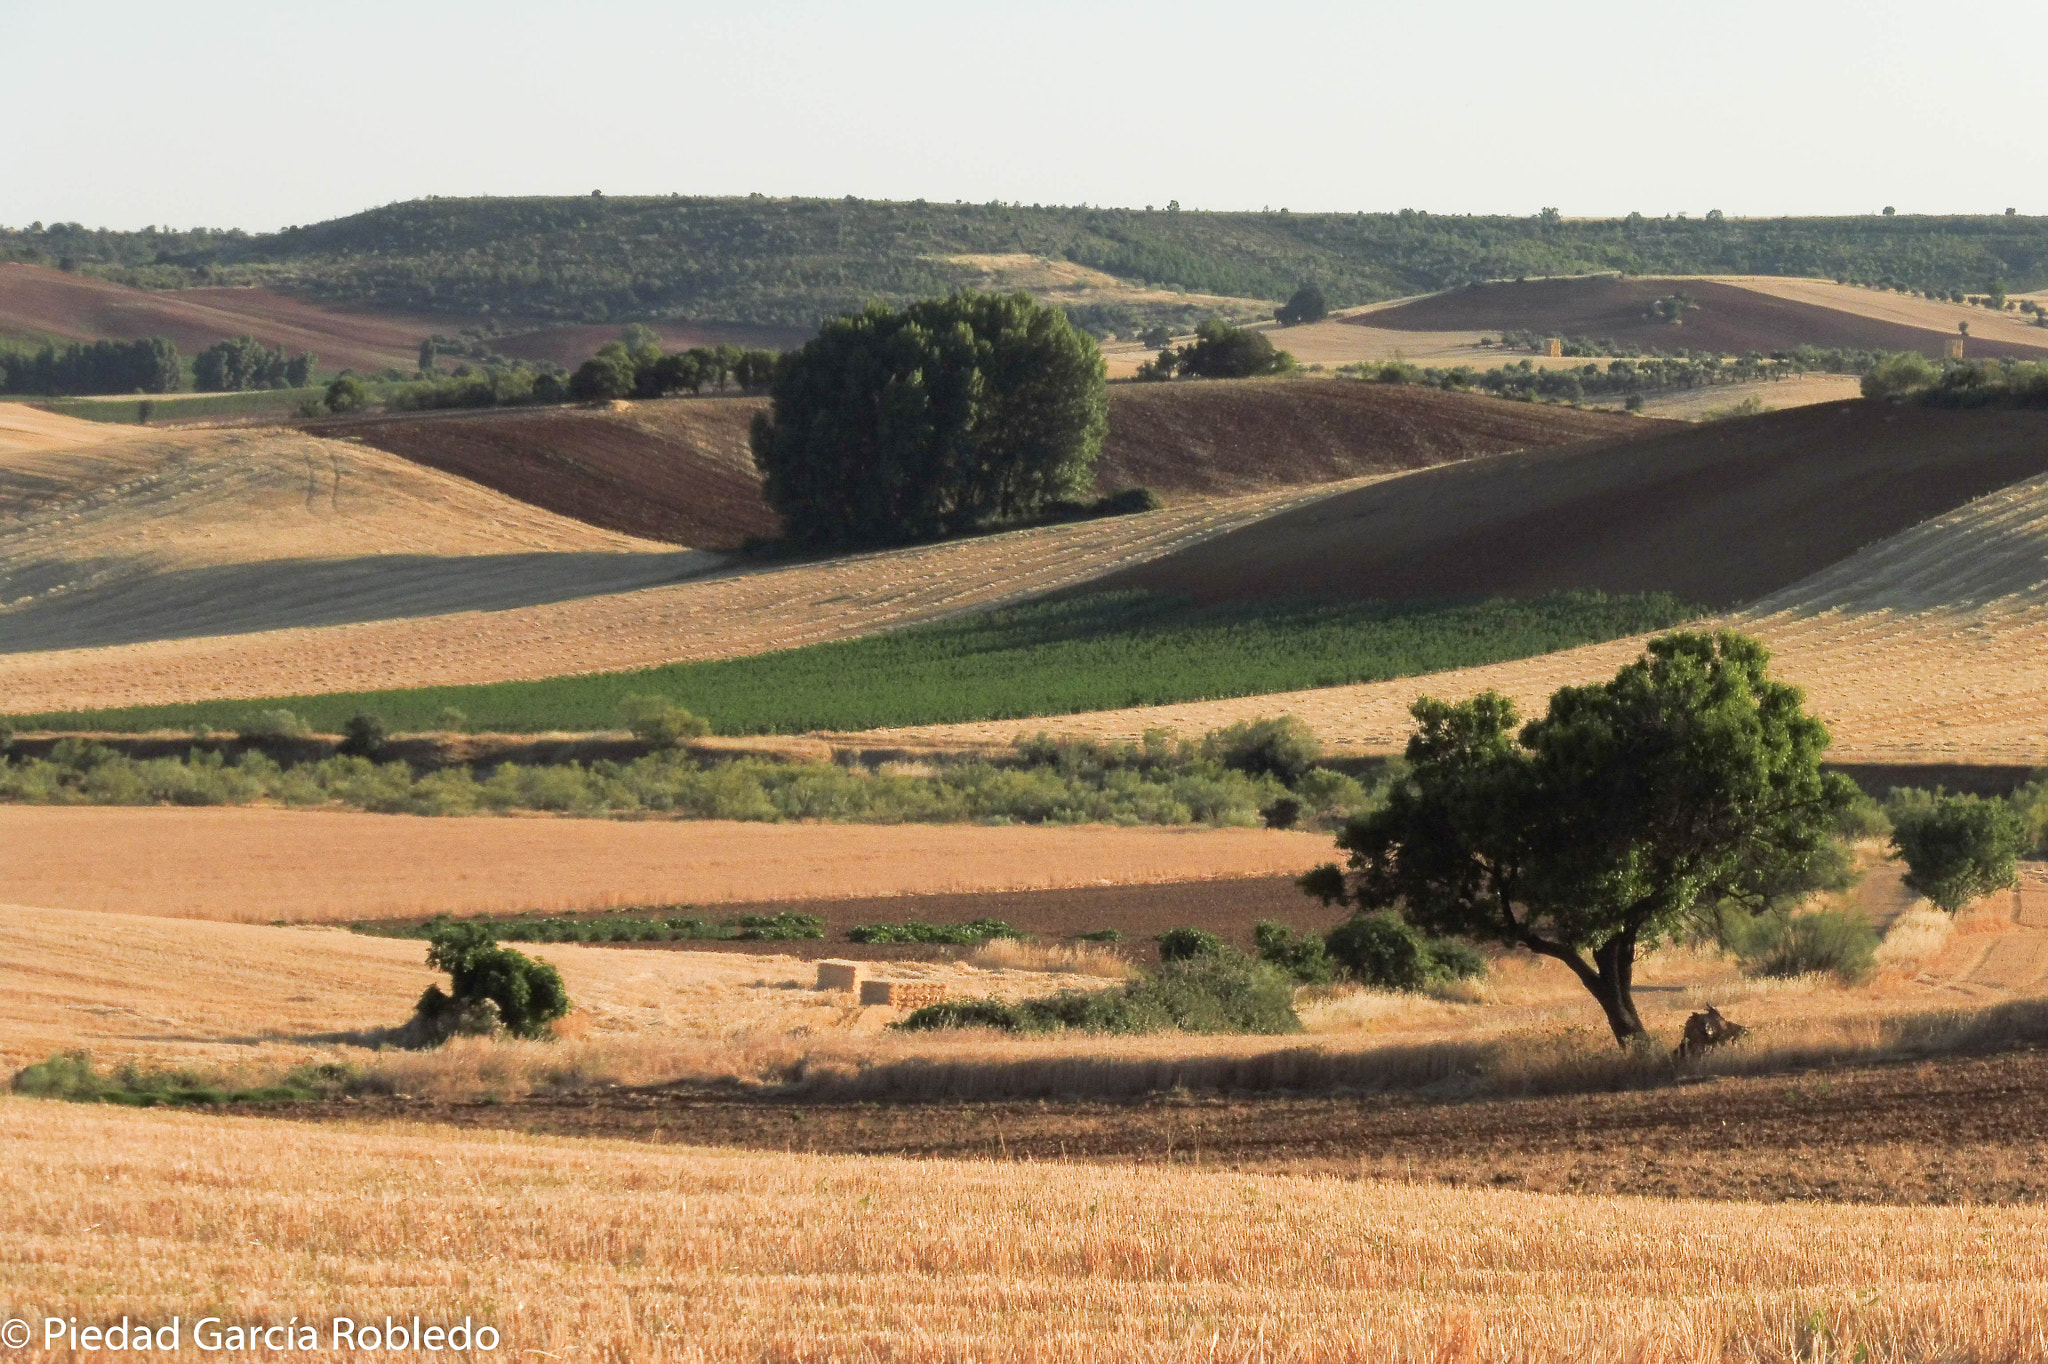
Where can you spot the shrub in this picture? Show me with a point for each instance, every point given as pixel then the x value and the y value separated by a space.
pixel 1221 351
pixel 1283 813
pixel 1385 951
pixel 345 394
pixel 363 736
pixel 1301 955
pixel 1808 944
pixel 1221 992
pixel 274 724
pixel 964 1013
pixel 1307 305
pixel 1897 377
pixel 489 986
pixel 1956 848
pixel 974 931
pixel 660 722
pixel 1281 747
pixel 71 1076
pixel 1128 502
pixel 1185 944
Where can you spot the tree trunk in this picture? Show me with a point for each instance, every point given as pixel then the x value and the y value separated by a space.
pixel 1614 986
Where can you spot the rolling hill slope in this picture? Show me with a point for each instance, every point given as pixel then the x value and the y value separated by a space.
pixel 1719 514
pixel 681 470
pixel 1730 318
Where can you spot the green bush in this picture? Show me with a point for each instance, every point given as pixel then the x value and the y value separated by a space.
pixel 1956 848
pixel 1280 747
pixel 1301 955
pixel 1385 951
pixel 524 995
pixel 975 931
pixel 1185 944
pixel 71 1076
pixel 1830 941
pixel 363 736
pixel 1128 502
pixel 274 724
pixel 659 722
pixel 1221 992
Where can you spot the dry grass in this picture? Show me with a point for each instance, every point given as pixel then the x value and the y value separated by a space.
pixel 1081 959
pixel 263 865
pixel 1925 646
pixel 743 612
pixel 614 1252
pixel 25 430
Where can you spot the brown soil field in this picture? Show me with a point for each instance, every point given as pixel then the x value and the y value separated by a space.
pixel 166 536
pixel 36 299
pixel 746 609
pixel 1731 319
pixel 1232 436
pixel 679 470
pixel 258 865
pixel 1716 514
pixel 1923 648
pixel 2008 328
pixel 643 1253
pixel 1952 1132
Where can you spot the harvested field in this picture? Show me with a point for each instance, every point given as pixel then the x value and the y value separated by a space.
pixel 1772 395
pixel 645 1254
pixel 169 536
pixel 26 430
pixel 745 611
pixel 1731 319
pixel 1719 514
pixel 1883 305
pixel 39 300
pixel 259 865
pixel 678 471
pixel 1923 648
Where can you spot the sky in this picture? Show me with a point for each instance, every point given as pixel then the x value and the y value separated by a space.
pixel 263 116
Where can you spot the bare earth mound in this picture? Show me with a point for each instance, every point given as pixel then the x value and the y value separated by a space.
pixel 1923 647
pixel 1717 514
pixel 158 537
pixel 681 469
pixel 39 301
pixel 678 471
pixel 1731 319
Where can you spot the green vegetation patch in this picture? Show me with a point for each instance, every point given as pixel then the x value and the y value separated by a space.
pixel 917 931
pixel 1098 652
pixel 1215 992
pixel 72 1076
pixel 639 924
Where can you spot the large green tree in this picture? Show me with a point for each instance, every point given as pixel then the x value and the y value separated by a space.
pixel 948 414
pixel 1689 781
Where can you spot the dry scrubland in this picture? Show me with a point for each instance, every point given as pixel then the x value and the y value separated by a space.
pixel 259 865
pixel 619 1252
pixel 1925 645
pixel 742 612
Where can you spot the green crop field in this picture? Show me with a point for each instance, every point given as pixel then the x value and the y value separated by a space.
pixel 1045 658
pixel 170 408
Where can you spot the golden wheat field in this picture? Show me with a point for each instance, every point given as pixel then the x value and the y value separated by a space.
pixel 255 865
pixel 605 1251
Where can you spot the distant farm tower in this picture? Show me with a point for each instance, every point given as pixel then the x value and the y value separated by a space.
pixel 1554 347
pixel 1955 343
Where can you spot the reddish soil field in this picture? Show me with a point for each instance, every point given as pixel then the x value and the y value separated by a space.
pixel 1954 1131
pixel 676 471
pixel 680 469
pixel 50 302
pixel 1730 320
pixel 1719 513
pixel 1242 435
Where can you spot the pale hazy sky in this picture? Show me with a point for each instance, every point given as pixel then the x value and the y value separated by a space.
pixel 262 115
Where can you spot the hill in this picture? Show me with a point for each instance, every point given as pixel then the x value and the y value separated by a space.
pixel 791 261
pixel 201 533
pixel 1718 514
pixel 1729 318
pixel 680 469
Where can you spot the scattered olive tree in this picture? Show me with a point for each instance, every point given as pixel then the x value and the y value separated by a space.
pixel 1956 848
pixel 1689 780
pixel 491 989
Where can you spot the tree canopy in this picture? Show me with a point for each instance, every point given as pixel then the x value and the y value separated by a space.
pixel 1307 305
pixel 946 415
pixel 1221 351
pixel 1688 781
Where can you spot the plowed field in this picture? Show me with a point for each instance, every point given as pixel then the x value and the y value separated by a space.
pixel 1731 318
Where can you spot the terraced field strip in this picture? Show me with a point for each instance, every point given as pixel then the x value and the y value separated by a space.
pixel 1927 645
pixel 742 612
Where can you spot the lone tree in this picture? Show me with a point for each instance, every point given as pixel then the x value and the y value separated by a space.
pixel 949 414
pixel 1958 848
pixel 1307 305
pixel 1688 781
pixel 1221 351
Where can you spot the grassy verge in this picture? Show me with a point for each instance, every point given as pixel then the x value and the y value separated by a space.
pixel 72 1076
pixel 1097 652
